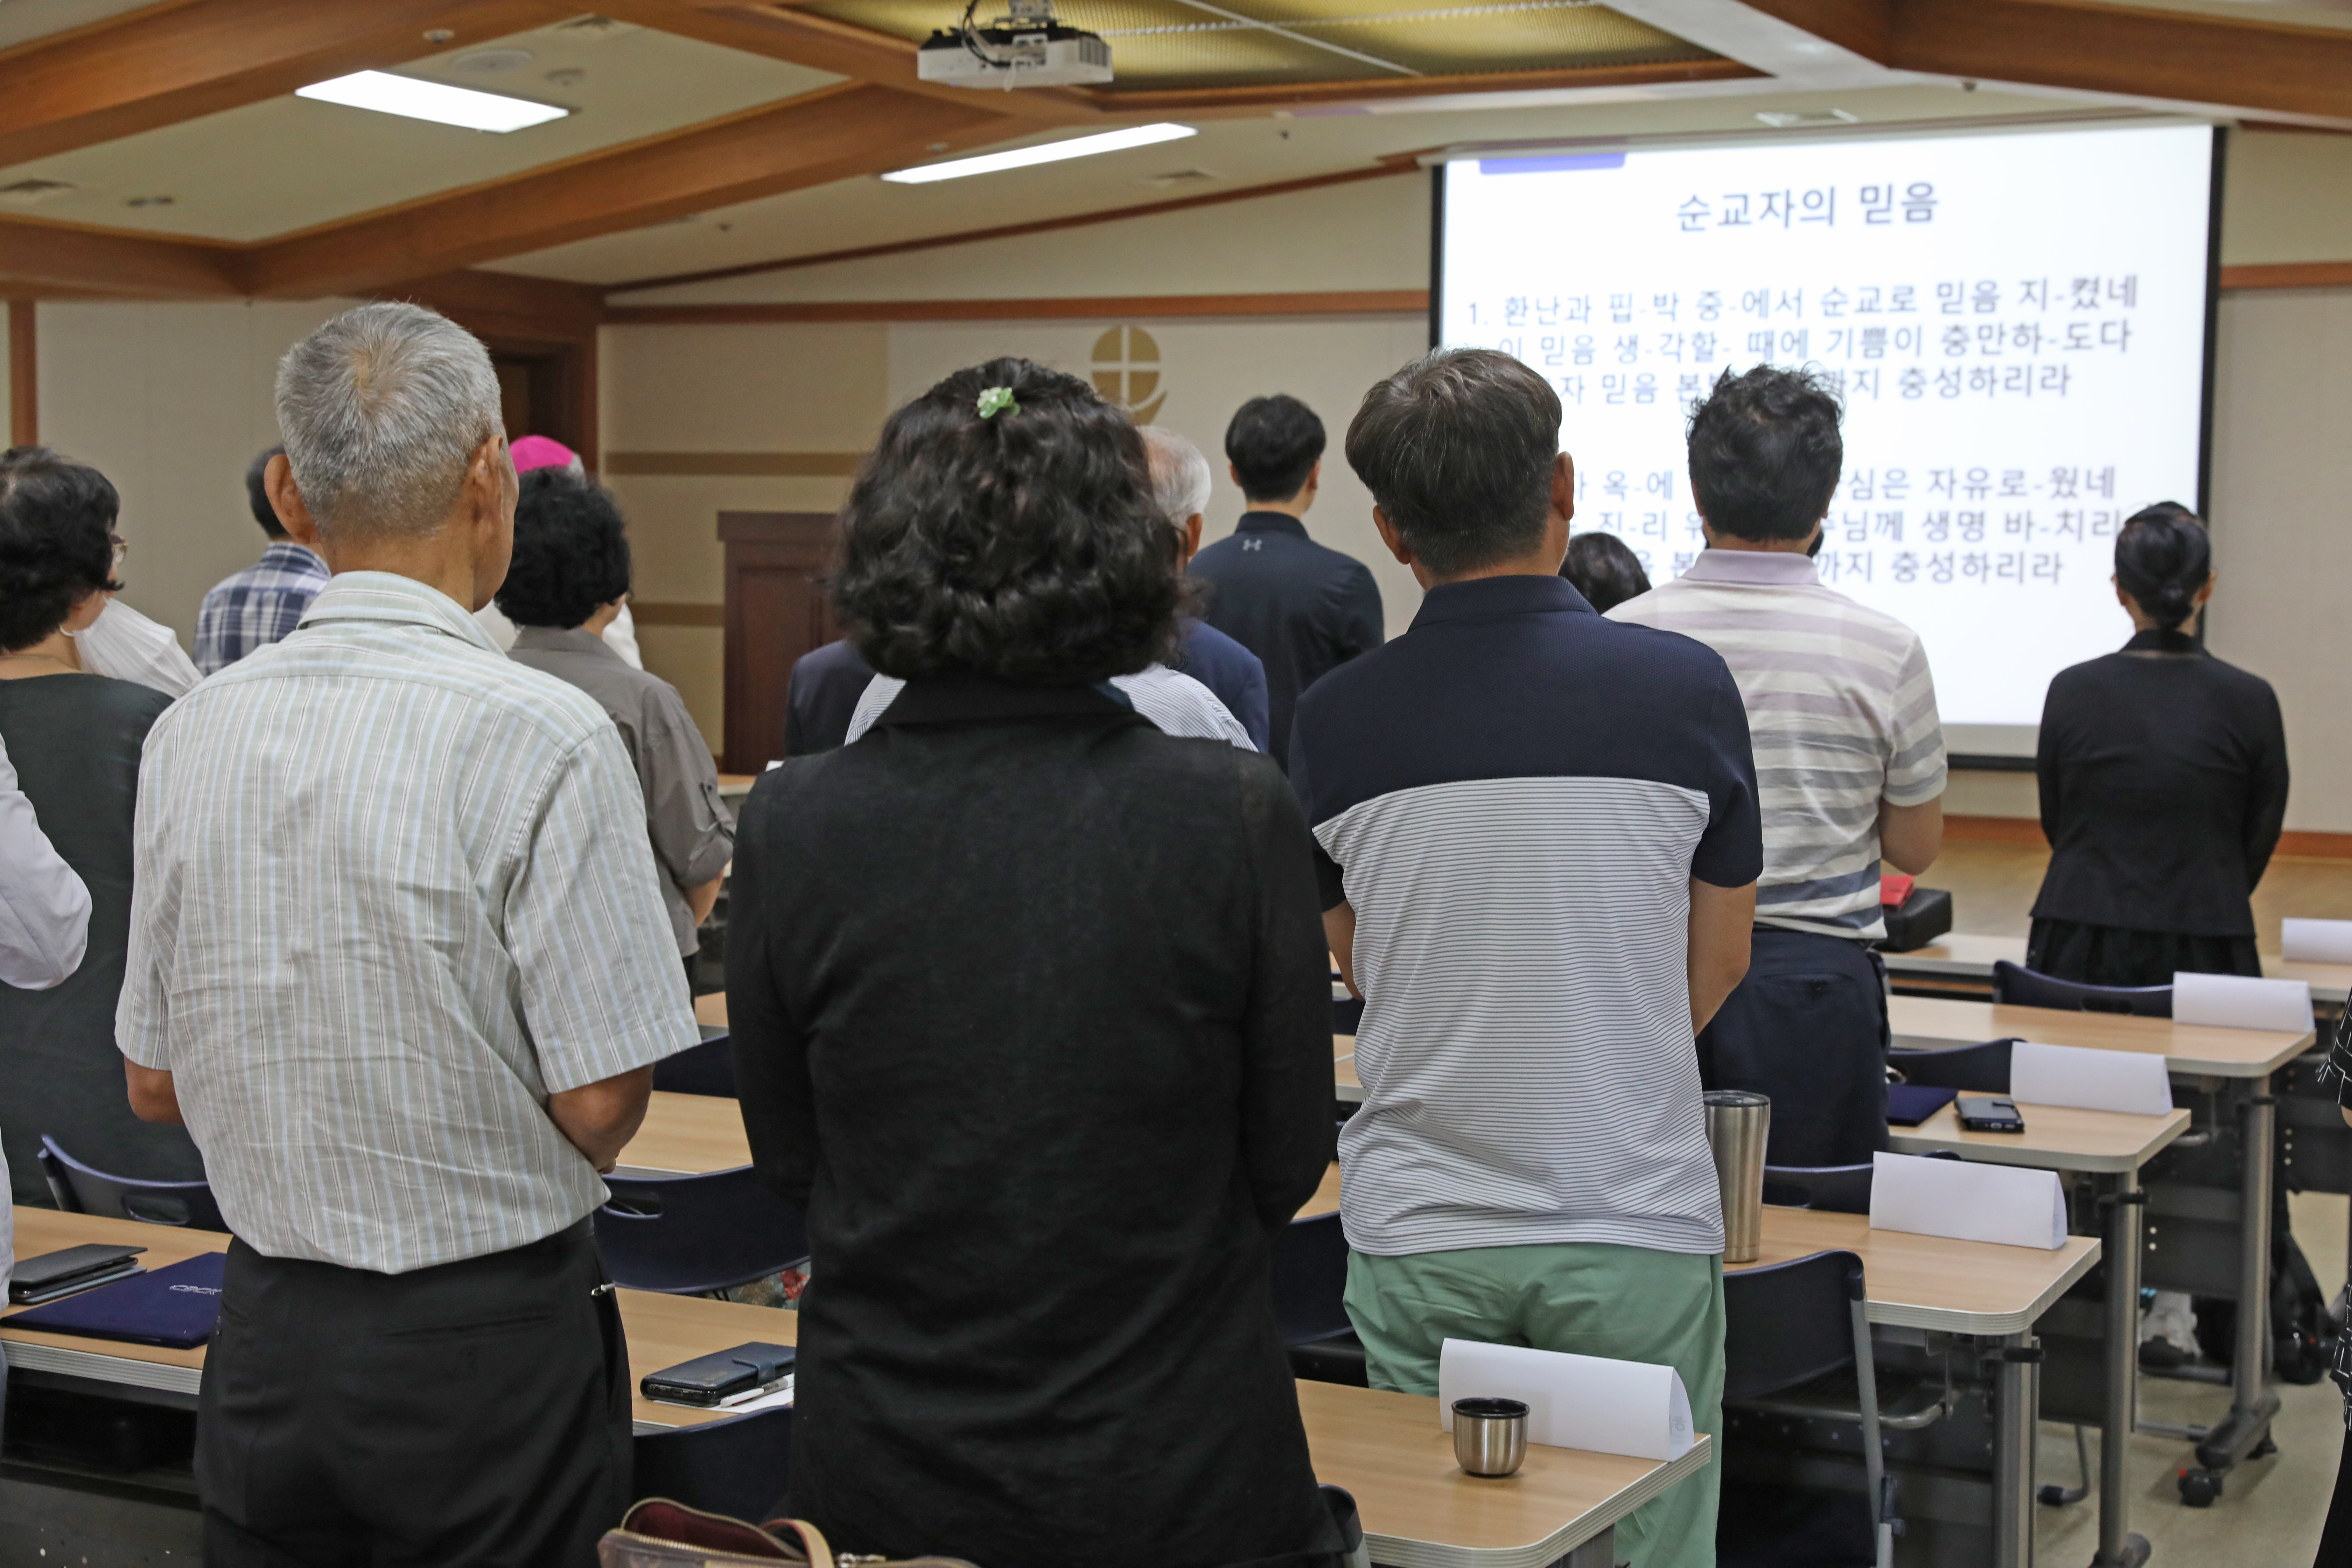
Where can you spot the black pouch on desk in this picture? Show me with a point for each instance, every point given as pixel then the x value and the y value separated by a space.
pixel 176 1306
pixel 711 1380
pixel 71 1268
pixel 1909 1104
pixel 1926 915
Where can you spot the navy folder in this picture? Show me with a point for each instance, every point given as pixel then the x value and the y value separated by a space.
pixel 1909 1104
pixel 174 1306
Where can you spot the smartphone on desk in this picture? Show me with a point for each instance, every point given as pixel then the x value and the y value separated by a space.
pixel 1984 1113
pixel 54 1274
pixel 730 1377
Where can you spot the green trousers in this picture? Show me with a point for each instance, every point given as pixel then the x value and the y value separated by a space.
pixel 1629 1303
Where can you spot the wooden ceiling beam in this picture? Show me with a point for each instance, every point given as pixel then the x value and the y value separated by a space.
pixel 2186 57
pixel 170 62
pixel 836 134
pixel 2224 62
pixel 56 260
pixel 1211 100
pixel 823 44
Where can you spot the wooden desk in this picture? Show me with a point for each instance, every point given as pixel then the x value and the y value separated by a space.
pixel 1930 1282
pixel 2056 1138
pixel 711 1011
pixel 1960 956
pixel 1420 1512
pixel 662 1330
pixel 1345 1085
pixel 1922 1023
pixel 687 1134
pixel 2329 983
pixel 735 786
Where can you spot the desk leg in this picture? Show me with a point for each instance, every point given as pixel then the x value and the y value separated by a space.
pixel 2118 1548
pixel 1601 1551
pixel 2016 1417
pixel 2247 1428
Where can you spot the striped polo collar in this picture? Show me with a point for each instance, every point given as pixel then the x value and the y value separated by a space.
pixel 388 596
pixel 1776 568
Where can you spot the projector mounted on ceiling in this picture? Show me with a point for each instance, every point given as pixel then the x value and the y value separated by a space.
pixel 1023 47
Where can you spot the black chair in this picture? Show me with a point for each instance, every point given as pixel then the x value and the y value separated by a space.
pixel 706 1068
pixel 737 1467
pixel 77 1188
pixel 1971 1069
pixel 693 1236
pixel 1347 1014
pixel 1310 1279
pixel 1793 1334
pixel 1833 1189
pixel 2019 986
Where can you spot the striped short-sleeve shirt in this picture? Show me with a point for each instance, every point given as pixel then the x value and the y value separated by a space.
pixel 1842 712
pixel 392 891
pixel 1514 797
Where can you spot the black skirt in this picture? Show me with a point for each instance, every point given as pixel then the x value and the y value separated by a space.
pixel 2112 955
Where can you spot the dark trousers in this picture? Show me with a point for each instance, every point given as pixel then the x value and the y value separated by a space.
pixel 2336 1538
pixel 1807 1027
pixel 471 1415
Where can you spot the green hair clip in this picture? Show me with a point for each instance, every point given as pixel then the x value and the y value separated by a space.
pixel 997 400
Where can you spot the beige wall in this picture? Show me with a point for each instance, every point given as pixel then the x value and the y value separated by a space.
pixel 171 402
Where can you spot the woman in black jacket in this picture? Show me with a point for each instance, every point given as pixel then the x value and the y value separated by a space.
pixel 1032 1020
pixel 74 739
pixel 2164 785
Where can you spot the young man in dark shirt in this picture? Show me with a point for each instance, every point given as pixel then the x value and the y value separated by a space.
pixel 1302 607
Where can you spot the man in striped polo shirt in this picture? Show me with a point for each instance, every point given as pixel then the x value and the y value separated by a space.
pixel 1848 761
pixel 1538 841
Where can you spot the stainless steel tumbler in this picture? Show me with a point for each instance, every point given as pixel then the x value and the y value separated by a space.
pixel 1738 1123
pixel 1490 1436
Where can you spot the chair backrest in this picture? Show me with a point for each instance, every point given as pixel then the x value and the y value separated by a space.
pixel 706 1068
pixel 1971 1069
pixel 1789 1322
pixel 1310 1277
pixel 738 1467
pixel 79 1189
pixel 1834 1189
pixel 2022 987
pixel 689 1234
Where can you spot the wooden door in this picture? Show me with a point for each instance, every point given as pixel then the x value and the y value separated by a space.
pixel 777 610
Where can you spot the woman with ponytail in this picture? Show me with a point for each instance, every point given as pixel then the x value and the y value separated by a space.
pixel 2164 784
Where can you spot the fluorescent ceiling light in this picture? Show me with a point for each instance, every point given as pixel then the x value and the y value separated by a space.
pixel 406 95
pixel 1051 153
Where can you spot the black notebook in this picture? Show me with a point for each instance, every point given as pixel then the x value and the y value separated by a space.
pixel 1909 1104
pixel 174 1307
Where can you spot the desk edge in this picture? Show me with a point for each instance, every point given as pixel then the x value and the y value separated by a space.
pixel 1406 1551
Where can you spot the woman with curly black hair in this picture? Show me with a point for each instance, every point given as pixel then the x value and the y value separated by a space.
pixel 75 740
pixel 1032 1020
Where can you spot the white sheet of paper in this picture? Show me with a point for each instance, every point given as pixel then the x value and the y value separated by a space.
pixel 2089 1080
pixel 2315 942
pixel 1967 1202
pixel 2240 1002
pixel 1573 1401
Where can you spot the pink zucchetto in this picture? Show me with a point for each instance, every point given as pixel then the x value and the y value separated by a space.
pixel 542 452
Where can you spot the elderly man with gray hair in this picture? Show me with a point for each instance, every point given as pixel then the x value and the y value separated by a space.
pixel 399 960
pixel 1181 482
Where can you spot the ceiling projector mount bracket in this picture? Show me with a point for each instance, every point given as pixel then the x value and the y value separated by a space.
pixel 1023 47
